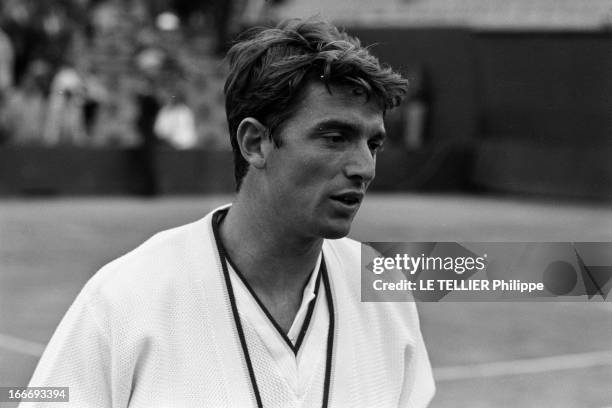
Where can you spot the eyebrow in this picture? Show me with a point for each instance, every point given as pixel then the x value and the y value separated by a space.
pixel 346 126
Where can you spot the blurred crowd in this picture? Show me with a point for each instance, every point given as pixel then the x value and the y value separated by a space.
pixel 120 73
pixel 135 73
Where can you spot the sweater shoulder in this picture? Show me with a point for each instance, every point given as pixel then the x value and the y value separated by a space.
pixel 159 263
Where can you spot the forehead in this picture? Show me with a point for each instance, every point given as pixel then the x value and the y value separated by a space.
pixel 343 103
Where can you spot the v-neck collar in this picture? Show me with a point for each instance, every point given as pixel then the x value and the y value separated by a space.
pixel 217 217
pixel 307 306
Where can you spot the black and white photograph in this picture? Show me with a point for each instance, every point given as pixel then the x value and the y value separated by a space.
pixel 296 204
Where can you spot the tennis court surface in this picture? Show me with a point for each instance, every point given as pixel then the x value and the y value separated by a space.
pixel 484 354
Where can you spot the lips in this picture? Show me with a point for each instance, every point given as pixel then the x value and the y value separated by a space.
pixel 350 199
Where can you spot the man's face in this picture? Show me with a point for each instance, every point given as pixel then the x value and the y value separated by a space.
pixel 316 179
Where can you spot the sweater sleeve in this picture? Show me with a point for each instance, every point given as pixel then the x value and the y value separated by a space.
pixel 78 357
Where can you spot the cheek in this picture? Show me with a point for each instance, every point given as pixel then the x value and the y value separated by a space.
pixel 313 173
pixel 304 170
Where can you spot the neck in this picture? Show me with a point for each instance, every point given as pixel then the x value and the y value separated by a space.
pixel 266 252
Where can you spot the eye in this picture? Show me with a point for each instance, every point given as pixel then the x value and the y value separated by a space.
pixel 376 146
pixel 334 138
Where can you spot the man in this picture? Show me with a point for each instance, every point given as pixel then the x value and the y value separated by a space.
pixel 258 304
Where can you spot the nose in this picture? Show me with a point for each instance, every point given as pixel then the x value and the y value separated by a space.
pixel 361 164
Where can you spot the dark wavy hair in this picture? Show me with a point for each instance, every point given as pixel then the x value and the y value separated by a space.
pixel 269 67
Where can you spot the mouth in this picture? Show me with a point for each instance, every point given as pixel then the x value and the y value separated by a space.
pixel 351 200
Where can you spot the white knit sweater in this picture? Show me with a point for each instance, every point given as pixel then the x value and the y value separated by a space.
pixel 154 328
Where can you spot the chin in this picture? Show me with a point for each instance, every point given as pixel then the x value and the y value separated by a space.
pixel 332 231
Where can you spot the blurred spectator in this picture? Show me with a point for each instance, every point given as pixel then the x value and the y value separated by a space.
pixel 408 126
pixel 25 36
pixel 416 110
pixel 6 63
pixel 255 12
pixel 6 76
pixel 64 121
pixel 208 102
pixel 96 95
pixel 40 30
pixel 222 11
pixel 175 123
pixel 116 118
pixel 114 126
pixel 106 16
pixel 23 117
pixel 148 108
pixel 77 105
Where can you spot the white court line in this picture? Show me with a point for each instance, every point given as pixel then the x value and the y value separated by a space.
pixel 22 346
pixel 524 366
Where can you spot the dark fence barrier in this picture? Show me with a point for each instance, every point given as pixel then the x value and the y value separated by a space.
pixel 66 170
pixel 521 167
pixel 51 171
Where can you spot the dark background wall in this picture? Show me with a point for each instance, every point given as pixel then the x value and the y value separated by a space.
pixel 522 112
pixel 447 56
pixel 545 113
pixel 549 88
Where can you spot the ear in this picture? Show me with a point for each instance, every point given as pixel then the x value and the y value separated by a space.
pixel 252 140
